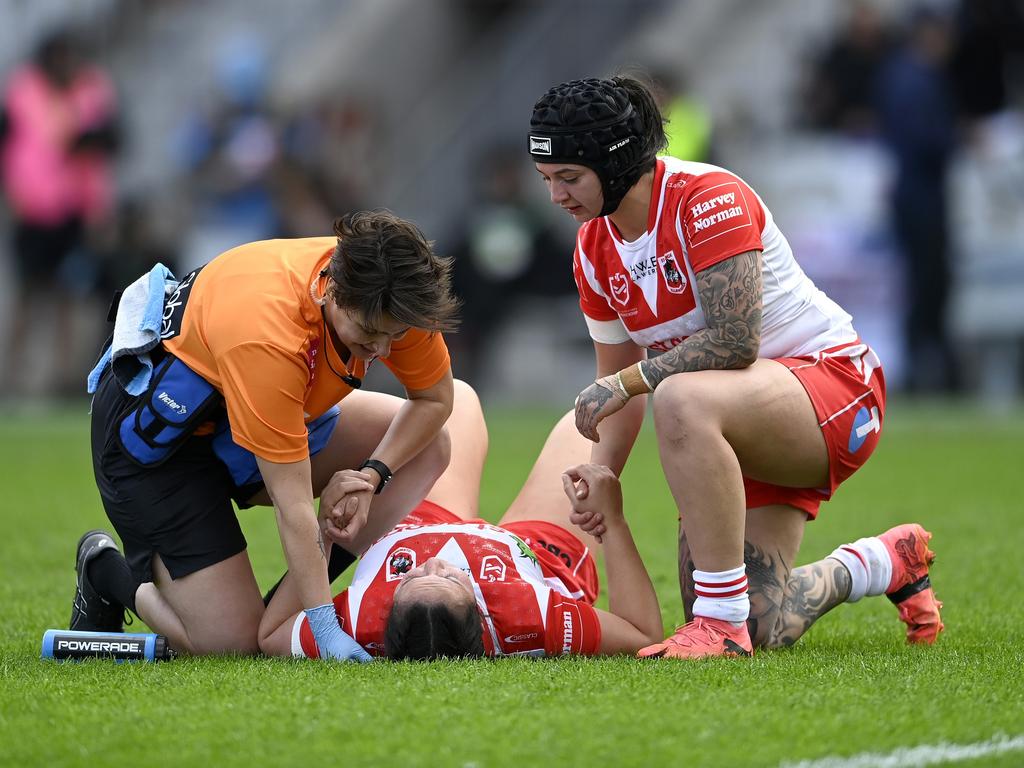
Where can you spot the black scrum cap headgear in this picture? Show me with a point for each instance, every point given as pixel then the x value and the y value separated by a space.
pixel 592 122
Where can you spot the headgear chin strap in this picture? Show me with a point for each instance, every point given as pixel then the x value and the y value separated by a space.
pixel 591 122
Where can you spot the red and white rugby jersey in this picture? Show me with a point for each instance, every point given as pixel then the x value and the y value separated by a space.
pixel 699 215
pixel 524 612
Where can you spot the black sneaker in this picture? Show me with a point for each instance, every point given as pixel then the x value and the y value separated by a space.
pixel 89 611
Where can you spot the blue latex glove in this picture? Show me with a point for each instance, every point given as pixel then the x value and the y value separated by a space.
pixel 330 639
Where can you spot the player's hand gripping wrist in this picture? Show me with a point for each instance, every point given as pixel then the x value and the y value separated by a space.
pixel 332 641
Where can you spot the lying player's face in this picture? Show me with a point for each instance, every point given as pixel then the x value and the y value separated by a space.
pixel 436 581
pixel 364 340
pixel 574 188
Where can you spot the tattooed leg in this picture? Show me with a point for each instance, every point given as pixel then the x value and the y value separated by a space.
pixel 784 602
pixel 686 567
pixel 768 570
pixel 767 575
pixel 811 592
pixel 773 535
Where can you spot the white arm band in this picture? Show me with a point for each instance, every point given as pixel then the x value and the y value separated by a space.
pixel 607 331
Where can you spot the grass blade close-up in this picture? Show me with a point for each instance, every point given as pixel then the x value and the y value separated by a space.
pixel 849 693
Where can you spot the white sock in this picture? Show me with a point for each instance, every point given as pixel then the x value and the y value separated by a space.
pixel 869 565
pixel 722 594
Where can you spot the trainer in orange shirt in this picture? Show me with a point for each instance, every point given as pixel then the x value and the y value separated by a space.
pixel 259 346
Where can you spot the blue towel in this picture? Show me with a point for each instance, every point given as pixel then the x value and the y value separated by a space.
pixel 136 331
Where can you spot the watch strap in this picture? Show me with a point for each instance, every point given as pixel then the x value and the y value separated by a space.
pixel 381 469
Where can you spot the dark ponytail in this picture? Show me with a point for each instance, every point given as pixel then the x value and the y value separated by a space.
pixel 640 96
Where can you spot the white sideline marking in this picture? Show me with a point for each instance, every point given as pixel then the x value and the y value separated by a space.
pixel 926 754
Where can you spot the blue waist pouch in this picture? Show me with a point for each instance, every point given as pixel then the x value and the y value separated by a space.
pixel 166 415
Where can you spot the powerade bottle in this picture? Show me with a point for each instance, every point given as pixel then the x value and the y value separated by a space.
pixel 67 645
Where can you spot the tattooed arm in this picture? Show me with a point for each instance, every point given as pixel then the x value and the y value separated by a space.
pixel 730 295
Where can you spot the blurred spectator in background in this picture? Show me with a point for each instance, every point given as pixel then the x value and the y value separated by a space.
pixel 330 151
pixel 229 152
pixel 989 32
pixel 61 133
pixel 916 112
pixel 841 93
pixel 689 121
pixel 130 244
pixel 986 65
pixel 504 250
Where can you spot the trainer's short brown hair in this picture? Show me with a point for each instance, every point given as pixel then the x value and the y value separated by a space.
pixel 383 265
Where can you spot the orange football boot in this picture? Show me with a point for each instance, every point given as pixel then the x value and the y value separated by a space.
pixel 910 588
pixel 701 638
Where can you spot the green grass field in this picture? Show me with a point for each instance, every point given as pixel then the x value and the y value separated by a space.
pixel 850 686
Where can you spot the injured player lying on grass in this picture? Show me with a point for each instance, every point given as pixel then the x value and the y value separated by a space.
pixel 444 583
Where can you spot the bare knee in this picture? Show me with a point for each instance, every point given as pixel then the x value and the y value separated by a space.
pixel 239 639
pixel 466 397
pixel 275 641
pixel 435 456
pixel 235 633
pixel 683 406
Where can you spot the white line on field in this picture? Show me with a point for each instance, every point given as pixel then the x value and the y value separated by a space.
pixel 910 757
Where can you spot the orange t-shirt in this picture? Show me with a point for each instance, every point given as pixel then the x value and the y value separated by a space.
pixel 252 328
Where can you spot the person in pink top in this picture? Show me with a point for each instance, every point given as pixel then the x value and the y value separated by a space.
pixel 61 132
pixel 765 399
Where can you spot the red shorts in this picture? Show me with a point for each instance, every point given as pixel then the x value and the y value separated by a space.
pixel 848 394
pixel 559 553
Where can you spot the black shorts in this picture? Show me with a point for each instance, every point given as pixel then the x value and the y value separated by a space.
pixel 180 509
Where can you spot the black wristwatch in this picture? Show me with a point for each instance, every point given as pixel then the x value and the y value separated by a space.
pixel 381 469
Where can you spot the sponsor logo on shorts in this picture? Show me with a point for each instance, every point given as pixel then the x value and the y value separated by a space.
pixel 540 146
pixel 864 423
pixel 619 285
pixel 400 562
pixel 492 568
